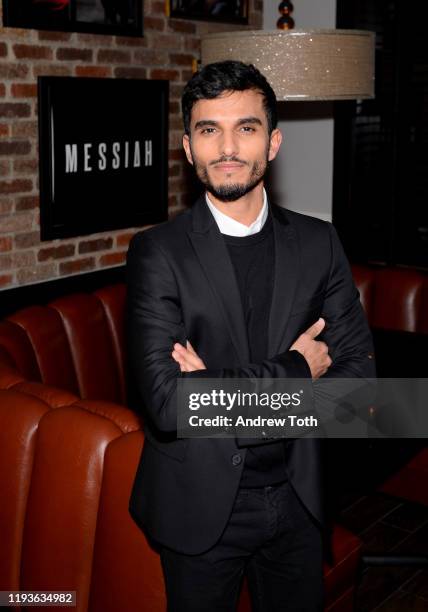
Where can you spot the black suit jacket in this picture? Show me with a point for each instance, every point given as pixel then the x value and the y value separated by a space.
pixel 181 285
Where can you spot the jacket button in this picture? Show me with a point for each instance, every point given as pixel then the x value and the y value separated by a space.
pixel 236 459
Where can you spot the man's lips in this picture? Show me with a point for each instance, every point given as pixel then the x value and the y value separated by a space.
pixel 228 166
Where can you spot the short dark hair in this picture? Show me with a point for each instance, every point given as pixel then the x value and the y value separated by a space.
pixel 214 79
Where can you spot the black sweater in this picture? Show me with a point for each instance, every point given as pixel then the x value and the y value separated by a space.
pixel 253 259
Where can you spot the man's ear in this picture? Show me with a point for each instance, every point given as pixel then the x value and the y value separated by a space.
pixel 275 143
pixel 187 149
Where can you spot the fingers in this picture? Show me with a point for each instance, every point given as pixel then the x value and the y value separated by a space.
pixel 190 348
pixel 187 360
pixel 314 330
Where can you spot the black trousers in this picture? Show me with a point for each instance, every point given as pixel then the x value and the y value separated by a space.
pixel 271 538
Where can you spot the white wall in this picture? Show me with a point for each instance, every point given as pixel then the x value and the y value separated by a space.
pixel 302 175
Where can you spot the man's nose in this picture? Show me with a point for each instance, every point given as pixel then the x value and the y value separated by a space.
pixel 229 144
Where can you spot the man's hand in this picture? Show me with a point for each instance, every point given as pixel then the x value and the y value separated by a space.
pixel 314 351
pixel 187 358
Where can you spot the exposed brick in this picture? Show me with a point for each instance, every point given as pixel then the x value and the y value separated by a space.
pixel 77 265
pixel 176 154
pixel 71 54
pixel 13 71
pixel 20 33
pixel 16 186
pixel 176 123
pixel 32 52
pixel 157 7
pixel 100 244
pixel 187 199
pixel 51 70
pixel 6 206
pixel 186 75
pixel 182 26
pixel 6 262
pixel 159 73
pixel 25 129
pixel 122 240
pixel 113 56
pixel 113 259
pixel 174 170
pixel 5 280
pixel 24 90
pixel 151 57
pixel 25 166
pixel 172 212
pixel 93 71
pixel 14 148
pixel 174 107
pixel 23 259
pixel 27 240
pixel 169 46
pixel 58 252
pixel 96 40
pixel 27 203
pixel 182 59
pixel 175 91
pixel 172 201
pixel 54 36
pixel 17 223
pixel 131 41
pixel 4 167
pixel 14 109
pixel 5 243
pixel 130 73
pixel 192 44
pixel 177 185
pixel 166 41
pixel 154 23
pixel 175 139
pixel 36 273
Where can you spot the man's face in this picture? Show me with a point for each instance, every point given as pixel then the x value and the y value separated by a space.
pixel 229 143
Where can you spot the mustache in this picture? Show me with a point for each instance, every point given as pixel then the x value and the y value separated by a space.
pixel 223 160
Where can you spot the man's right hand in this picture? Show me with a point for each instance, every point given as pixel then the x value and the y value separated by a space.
pixel 314 351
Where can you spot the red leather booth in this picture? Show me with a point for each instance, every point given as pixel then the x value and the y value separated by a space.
pixel 69 448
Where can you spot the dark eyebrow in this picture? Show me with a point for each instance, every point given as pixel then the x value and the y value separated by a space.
pixel 205 123
pixel 211 123
pixel 253 120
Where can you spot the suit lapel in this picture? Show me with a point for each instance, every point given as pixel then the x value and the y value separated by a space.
pixel 212 253
pixel 286 275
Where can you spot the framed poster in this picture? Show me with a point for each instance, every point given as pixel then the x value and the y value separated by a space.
pixel 229 11
pixel 103 154
pixel 121 17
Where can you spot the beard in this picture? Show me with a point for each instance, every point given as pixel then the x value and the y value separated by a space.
pixel 230 192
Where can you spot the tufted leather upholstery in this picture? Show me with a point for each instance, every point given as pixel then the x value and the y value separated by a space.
pixel 69 449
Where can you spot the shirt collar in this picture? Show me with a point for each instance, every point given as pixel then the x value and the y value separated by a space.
pixel 231 227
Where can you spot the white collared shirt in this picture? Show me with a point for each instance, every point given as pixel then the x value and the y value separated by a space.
pixel 229 226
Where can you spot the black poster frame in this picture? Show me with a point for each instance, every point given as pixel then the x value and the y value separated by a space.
pixel 146 204
pixel 64 17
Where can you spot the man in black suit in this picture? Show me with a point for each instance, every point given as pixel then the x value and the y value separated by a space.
pixel 236 287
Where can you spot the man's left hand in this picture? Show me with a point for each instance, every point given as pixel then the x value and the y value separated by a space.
pixel 187 358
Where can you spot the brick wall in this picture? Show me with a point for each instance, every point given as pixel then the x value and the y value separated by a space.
pixel 165 52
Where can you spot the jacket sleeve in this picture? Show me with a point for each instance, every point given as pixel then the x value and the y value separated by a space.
pixel 346 333
pixel 350 380
pixel 155 323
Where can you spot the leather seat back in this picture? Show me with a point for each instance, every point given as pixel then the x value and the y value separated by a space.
pixel 76 343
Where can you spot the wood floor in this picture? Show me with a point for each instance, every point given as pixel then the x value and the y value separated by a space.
pixel 395 526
